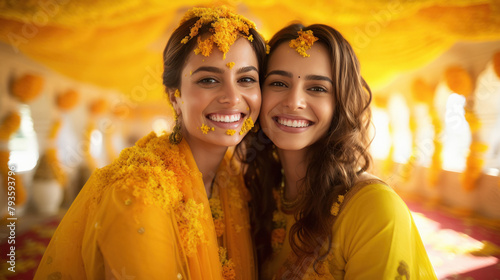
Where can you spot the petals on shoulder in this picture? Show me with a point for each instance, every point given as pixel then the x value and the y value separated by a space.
pixel 150 170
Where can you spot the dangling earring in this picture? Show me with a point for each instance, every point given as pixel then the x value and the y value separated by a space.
pixel 176 136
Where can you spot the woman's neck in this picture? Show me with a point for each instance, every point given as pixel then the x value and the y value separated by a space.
pixel 208 158
pixel 294 166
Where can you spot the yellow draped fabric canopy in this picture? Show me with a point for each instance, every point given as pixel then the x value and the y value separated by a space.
pixel 118 44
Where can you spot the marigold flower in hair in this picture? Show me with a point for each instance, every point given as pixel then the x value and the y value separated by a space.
pixel 226 27
pixel 303 42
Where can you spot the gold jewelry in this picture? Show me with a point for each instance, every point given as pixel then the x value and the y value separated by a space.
pixel 176 136
pixel 285 203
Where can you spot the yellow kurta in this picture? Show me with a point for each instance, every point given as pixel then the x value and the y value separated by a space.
pixel 375 237
pixel 147 216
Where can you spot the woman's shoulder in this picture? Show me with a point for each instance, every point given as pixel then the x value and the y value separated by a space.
pixel 150 170
pixel 372 196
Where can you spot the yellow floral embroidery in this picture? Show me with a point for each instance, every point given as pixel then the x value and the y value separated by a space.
pixel 336 206
pixel 230 65
pixel 247 125
pixel 230 132
pixel 217 215
pixel 303 42
pixel 228 272
pixel 226 28
pixel 205 129
pixel 188 217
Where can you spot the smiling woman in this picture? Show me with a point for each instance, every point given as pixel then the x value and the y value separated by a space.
pixel 175 206
pixel 323 216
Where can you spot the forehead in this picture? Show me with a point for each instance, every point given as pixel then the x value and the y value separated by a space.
pixel 288 59
pixel 241 53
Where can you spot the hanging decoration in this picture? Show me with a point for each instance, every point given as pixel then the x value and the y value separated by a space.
pixel 459 81
pixel 8 126
pixel 27 87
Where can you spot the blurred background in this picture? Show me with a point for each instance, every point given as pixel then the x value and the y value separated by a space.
pixel 81 80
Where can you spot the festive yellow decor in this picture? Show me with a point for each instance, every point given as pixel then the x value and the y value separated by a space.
pixel 127 29
pixel 422 92
pixel 27 87
pixel 205 129
pixel 458 80
pixel 437 158
pixel 496 63
pixel 380 100
pixel 51 157
pixel 474 165
pixel 303 42
pixel 98 106
pixel 177 93
pixel 226 28
pixel 230 132
pixel 230 65
pixel 247 125
pixel 9 125
pixel 67 100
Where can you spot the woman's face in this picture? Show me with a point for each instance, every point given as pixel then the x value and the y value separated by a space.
pixel 298 99
pixel 216 97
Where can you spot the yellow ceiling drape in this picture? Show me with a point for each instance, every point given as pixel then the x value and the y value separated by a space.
pixel 118 44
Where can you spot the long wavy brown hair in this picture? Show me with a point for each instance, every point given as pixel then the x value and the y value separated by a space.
pixel 334 162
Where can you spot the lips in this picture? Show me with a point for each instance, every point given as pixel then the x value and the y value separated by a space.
pixel 295 123
pixel 225 118
pixel 229 120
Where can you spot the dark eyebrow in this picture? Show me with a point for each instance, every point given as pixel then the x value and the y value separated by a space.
pixel 209 69
pixel 247 69
pixel 319 78
pixel 280 72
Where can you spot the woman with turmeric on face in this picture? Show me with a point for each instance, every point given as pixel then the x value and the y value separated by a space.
pixel 175 206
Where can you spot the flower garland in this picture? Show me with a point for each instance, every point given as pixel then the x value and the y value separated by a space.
pixel 226 28
pixel 9 125
pixel 217 215
pixel 437 158
pixel 303 42
pixel 27 87
pixel 51 155
pixel 475 158
pixel 228 272
pixel 459 81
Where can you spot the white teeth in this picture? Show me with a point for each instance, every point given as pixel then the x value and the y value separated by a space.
pixel 225 118
pixel 293 123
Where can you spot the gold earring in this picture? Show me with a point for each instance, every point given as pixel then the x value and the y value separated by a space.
pixel 176 136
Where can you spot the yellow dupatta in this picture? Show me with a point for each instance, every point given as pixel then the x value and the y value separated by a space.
pixel 147 216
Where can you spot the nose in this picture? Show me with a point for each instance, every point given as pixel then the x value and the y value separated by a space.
pixel 230 95
pixel 295 100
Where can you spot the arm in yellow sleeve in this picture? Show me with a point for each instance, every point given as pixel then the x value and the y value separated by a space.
pixel 379 239
pixel 138 241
